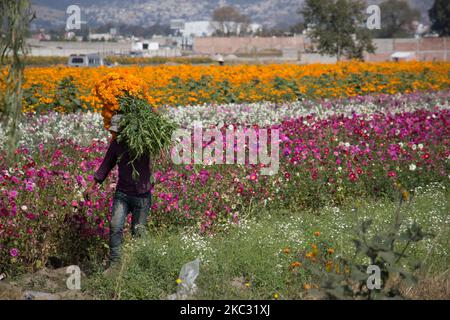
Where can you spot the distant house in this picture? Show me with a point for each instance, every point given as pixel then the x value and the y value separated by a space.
pixel 144 45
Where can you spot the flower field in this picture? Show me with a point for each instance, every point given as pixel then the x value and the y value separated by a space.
pixel 68 89
pixel 349 133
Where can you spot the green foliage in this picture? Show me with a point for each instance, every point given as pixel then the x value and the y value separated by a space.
pixel 158 60
pixel 386 250
pixel 144 130
pixel 397 17
pixel 40 61
pixel 67 95
pixel 250 261
pixel 31 96
pixel 289 85
pixel 440 17
pixel 65 98
pixel 337 27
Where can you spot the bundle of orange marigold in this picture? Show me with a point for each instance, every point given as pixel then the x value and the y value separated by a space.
pixel 113 86
pixel 144 130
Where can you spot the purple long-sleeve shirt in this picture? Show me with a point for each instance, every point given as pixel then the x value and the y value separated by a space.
pixel 118 153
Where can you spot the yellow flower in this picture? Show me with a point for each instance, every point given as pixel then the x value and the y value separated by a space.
pixel 405 195
pixel 314 251
pixel 276 296
pixel 178 281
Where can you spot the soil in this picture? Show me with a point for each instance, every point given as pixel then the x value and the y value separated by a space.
pixel 46 284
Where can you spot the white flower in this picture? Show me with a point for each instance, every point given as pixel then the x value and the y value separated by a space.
pixel 412 167
pixel 414 147
pixel 24 208
pixel 420 146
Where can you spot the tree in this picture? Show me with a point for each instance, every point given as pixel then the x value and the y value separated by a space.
pixel 297 28
pixel 397 19
pixel 229 21
pixel 15 17
pixel 440 17
pixel 338 27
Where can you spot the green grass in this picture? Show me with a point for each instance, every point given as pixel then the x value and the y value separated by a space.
pixel 247 261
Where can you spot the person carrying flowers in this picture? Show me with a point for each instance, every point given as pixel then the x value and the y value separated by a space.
pixel 138 132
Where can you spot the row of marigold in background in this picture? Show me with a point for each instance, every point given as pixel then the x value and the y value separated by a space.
pixel 68 89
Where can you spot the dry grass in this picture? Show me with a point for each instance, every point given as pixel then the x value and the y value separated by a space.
pixel 430 288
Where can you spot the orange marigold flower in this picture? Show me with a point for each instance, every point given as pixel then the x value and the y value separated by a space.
pixel 113 86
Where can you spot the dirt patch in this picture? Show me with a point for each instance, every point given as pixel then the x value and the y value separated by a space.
pixel 46 284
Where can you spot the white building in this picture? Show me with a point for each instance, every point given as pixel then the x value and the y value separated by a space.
pixel 144 45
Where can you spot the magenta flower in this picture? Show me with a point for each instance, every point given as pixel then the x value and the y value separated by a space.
pixel 13 252
pixel 13 194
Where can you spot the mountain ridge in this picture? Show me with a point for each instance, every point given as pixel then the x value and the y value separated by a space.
pixel 270 13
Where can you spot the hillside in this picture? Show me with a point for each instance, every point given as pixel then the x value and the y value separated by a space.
pixel 148 12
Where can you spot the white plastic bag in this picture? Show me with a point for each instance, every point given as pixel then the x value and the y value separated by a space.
pixel 187 287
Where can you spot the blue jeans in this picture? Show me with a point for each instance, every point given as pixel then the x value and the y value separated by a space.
pixel 122 205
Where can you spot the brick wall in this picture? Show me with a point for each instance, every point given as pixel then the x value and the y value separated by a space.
pixel 429 49
pixel 212 45
pixel 425 49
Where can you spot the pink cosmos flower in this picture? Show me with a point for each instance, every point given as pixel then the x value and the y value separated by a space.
pixel 13 252
pixel 13 194
pixel 392 174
